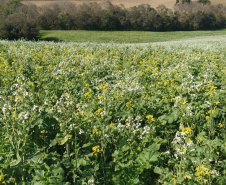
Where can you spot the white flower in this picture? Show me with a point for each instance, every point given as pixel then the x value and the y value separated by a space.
pixel 167 152
pixel 183 133
pixel 40 109
pixel 4 108
pixel 26 116
pixel 91 182
pixel 189 143
pixel 81 131
pixel 34 107
pixel 26 94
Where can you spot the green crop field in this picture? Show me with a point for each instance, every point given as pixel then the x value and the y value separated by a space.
pixel 124 36
pixel 111 113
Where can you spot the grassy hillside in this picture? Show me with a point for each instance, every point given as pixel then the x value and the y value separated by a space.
pixel 123 36
pixel 126 3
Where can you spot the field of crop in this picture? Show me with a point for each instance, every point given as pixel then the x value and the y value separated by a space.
pixel 125 36
pixel 113 113
pixel 126 3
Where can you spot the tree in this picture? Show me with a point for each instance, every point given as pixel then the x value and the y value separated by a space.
pixel 183 1
pixel 204 1
pixel 7 7
pixel 17 21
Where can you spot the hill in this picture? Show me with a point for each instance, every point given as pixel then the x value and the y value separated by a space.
pixel 126 3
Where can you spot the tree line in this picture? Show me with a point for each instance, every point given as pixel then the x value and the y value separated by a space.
pixel 24 21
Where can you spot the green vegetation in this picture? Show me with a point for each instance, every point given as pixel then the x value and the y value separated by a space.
pixel 24 21
pixel 113 113
pixel 123 36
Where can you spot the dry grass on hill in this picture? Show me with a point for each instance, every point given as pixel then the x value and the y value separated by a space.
pixel 126 3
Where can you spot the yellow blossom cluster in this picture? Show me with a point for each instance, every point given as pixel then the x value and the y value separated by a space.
pixel 95 131
pixel 202 171
pixel 150 117
pixel 96 150
pixel 187 131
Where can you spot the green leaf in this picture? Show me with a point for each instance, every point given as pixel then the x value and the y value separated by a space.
pixel 62 141
pixel 125 148
pixel 82 162
pixel 154 147
pixel 16 161
pixel 58 171
pixel 158 170
pixel 86 145
pixel 37 158
pixel 171 119
pixel 38 183
pixel 180 179
pixel 154 157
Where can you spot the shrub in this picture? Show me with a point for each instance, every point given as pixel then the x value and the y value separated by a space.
pixel 18 21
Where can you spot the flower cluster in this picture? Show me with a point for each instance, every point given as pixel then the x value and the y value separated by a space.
pixel 111 114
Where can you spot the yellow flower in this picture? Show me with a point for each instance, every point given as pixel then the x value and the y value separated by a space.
pixel 129 104
pixel 205 180
pixel 174 179
pixel 100 97
pixel 187 177
pixel 112 124
pixel 187 131
pixel 166 82
pixel 150 117
pixel 155 70
pixel 87 95
pixel 127 123
pixel 98 111
pixel 14 114
pixel 207 117
pixel 18 97
pixel 95 131
pixel 197 168
pixel 1 176
pixel 103 87
pixel 189 141
pixel 178 87
pixel 220 125
pixel 218 153
pixel 43 132
pixel 184 149
pixel 211 111
pixel 96 148
pixel 217 102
